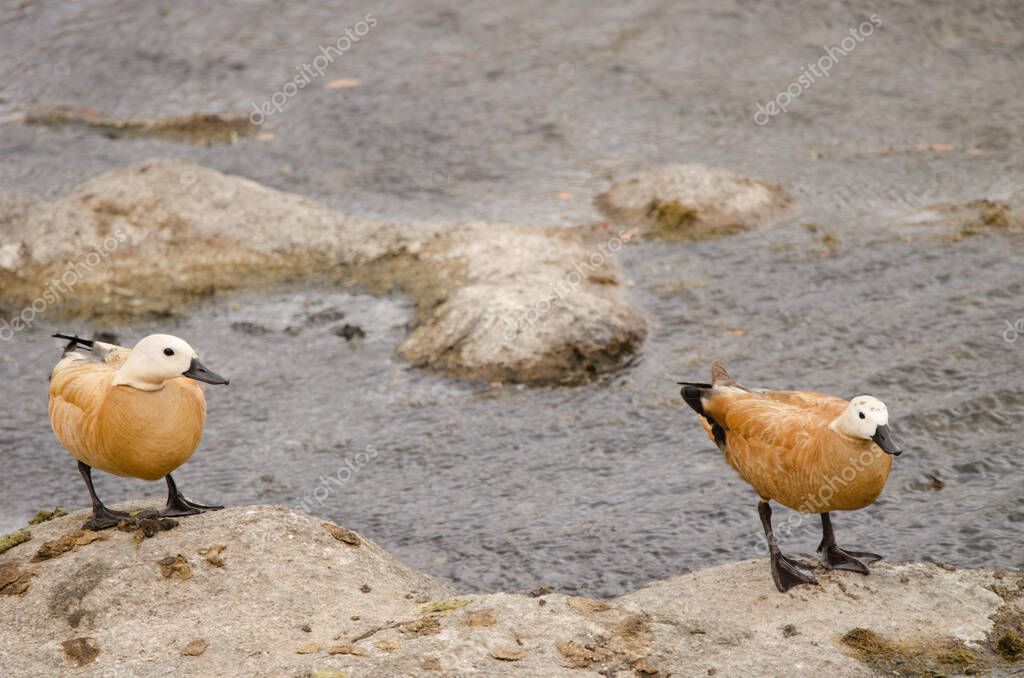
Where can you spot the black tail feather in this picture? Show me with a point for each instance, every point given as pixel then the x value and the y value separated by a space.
pixel 74 341
pixel 692 393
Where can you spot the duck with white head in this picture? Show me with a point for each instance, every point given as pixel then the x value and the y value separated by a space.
pixel 135 413
pixel 811 452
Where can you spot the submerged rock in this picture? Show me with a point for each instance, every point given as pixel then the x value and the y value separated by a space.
pixel 693 202
pixel 495 301
pixel 956 221
pixel 290 604
pixel 194 128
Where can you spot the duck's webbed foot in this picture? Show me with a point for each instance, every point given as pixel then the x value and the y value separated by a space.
pixel 178 505
pixel 787 573
pixel 836 558
pixel 104 518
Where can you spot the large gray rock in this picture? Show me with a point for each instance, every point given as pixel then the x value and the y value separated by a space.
pixel 496 301
pixel 285 597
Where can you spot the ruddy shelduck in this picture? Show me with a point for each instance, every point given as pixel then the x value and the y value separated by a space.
pixel 135 413
pixel 812 452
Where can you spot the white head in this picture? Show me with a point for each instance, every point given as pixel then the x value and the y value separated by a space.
pixel 868 419
pixel 160 357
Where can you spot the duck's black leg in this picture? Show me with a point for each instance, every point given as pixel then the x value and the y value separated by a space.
pixel 836 558
pixel 785 572
pixel 177 505
pixel 102 517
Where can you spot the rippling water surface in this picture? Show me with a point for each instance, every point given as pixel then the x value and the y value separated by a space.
pixel 462 112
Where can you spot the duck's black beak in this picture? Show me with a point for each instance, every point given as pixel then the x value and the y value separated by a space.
pixel 198 372
pixel 883 438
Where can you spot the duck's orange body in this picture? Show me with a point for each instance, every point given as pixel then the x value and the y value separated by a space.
pixel 123 430
pixel 782 444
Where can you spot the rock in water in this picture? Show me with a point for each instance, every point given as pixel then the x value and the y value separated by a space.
pixel 496 301
pixel 693 202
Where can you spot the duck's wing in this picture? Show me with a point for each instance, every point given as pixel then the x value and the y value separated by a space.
pixel 827 404
pixel 770 419
pixel 78 349
pixel 77 389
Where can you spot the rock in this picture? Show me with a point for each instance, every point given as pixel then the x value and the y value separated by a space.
pixel 342 534
pixel 349 332
pixel 81 651
pixel 289 605
pixel 507 653
pixel 327 315
pixel 44 515
pixel 195 647
pixel 9 541
pixel 956 221
pixel 175 567
pixel 66 542
pixel 501 302
pixel 693 202
pixel 13 580
pixel 251 328
pixel 194 128
pixel 213 554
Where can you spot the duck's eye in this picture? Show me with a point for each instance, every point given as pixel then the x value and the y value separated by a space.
pixel 170 351
pixel 860 414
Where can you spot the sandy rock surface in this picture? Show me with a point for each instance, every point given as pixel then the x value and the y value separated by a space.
pixel 495 301
pixel 266 591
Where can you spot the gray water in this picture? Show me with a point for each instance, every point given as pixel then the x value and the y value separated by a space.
pixel 489 111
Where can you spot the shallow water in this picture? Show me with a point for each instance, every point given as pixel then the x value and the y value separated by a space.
pixel 462 112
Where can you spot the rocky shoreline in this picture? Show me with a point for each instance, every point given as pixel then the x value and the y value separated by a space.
pixel 268 591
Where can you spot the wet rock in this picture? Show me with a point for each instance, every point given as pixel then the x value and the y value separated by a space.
pixel 324 316
pixel 956 221
pixel 81 651
pixel 195 647
pixel 500 302
pixel 194 128
pixel 349 332
pixel 693 202
pixel 250 328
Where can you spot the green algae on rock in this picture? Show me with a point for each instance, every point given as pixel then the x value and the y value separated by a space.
pixel 9 541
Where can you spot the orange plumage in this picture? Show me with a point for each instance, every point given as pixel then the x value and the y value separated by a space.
pixel 123 430
pixel 781 442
